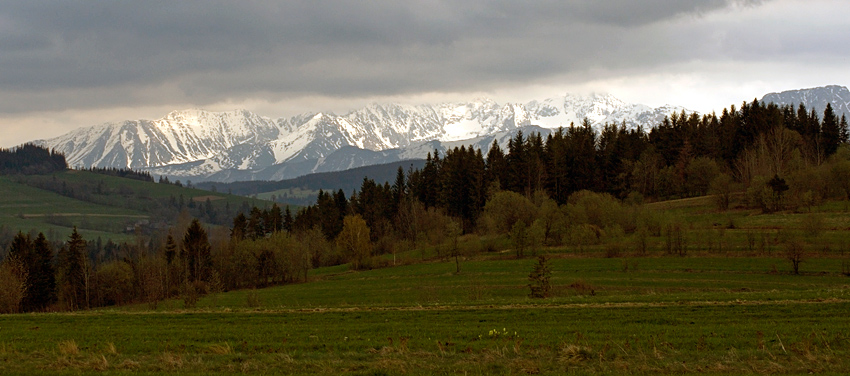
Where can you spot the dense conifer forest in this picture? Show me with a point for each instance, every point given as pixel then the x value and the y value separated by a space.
pixel 30 159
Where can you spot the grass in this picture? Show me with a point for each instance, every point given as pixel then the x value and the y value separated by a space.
pixel 648 315
pixel 781 337
pixel 123 202
pixel 290 193
pixel 731 305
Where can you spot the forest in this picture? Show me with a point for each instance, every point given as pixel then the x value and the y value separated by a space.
pixel 577 187
pixel 30 159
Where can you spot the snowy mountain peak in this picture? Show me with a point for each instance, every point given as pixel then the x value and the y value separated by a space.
pixel 815 99
pixel 197 143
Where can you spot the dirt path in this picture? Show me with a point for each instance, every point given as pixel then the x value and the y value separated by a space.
pixel 435 308
pixel 86 215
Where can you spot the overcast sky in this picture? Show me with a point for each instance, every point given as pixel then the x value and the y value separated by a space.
pixel 68 64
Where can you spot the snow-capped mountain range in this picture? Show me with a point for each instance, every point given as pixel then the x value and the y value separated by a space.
pixel 224 146
pixel 815 99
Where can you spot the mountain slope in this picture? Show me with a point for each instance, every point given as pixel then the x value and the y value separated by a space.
pixel 815 99
pixel 197 143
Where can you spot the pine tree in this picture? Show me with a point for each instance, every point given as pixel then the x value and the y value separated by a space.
pixel 287 220
pixel 170 249
pixel 830 132
pixel 240 227
pixel 255 229
pixel 399 191
pixel 274 219
pixel 42 287
pixel 496 170
pixel 73 287
pixel 196 252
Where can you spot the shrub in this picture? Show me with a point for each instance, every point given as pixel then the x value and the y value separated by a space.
pixel 795 253
pixel 12 288
pixel 812 225
pixel 505 209
pixel 539 279
pixel 721 188
pixel 252 300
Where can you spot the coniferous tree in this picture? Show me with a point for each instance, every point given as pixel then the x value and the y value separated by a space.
pixel 42 276
pixel 256 228
pixel 830 131
pixel 288 221
pixel 196 252
pixel 399 191
pixel 274 219
pixel 496 166
pixel 170 249
pixel 239 230
pixel 517 162
pixel 73 272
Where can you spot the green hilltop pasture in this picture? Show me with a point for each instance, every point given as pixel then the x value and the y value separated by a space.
pixel 121 202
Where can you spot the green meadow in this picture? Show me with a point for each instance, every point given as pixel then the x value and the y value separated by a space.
pixel 729 304
pixel 101 205
pixel 626 315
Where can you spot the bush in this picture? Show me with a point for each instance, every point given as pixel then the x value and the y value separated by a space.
pixel 721 188
pixel 812 225
pixel 795 253
pixel 12 288
pixel 115 283
pixel 700 174
pixel 538 279
pixel 252 299
pixel 598 209
pixel 505 209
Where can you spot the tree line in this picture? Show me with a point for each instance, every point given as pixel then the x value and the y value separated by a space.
pixel 681 157
pixel 576 186
pixel 31 159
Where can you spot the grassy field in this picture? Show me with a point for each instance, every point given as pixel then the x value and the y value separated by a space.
pixel 730 305
pixel 289 193
pixel 23 208
pixel 123 202
pixel 648 315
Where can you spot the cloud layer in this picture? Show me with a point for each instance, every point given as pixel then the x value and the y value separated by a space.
pixel 91 55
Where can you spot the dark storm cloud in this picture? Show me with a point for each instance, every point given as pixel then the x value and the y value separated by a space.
pixel 90 54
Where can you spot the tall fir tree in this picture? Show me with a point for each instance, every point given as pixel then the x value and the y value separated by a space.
pixel 73 286
pixel 42 286
pixel 830 132
pixel 196 252
pixel 288 221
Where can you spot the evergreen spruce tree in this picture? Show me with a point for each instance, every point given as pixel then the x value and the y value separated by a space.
pixel 196 252
pixel 170 249
pixel 42 286
pixel 255 229
pixel 830 131
pixel 274 219
pixel 72 272
pixel 240 227
pixel 287 220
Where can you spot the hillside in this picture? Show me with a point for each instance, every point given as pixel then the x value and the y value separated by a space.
pixel 205 145
pixel 303 190
pixel 104 206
